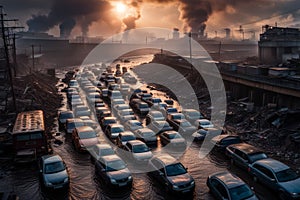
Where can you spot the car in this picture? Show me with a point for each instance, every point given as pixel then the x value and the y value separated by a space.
pixel 104 93
pixel 73 84
pixel 101 150
pixel 200 134
pixel 171 174
pixel 114 94
pixel 117 108
pixel 184 127
pixel 244 155
pixel 140 152
pixel 203 123
pixel 125 89
pixel 53 172
pixel 73 123
pixel 112 169
pixel 82 111
pixel 102 112
pixel 112 130
pixel 224 185
pixel 220 142
pixel 125 112
pixel 74 97
pixel 192 115
pixel 133 125
pixel 62 118
pixel 146 135
pixel 106 121
pixel 84 137
pixel 75 102
pixel 91 123
pixel 93 97
pixel 117 101
pixel 174 119
pixel 171 110
pixel 126 118
pixel 113 86
pixel 144 96
pixel 159 126
pixel 139 106
pixel 172 139
pixel 124 137
pixel 154 115
pixel 278 177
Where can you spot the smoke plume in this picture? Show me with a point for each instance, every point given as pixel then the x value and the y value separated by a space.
pixel 66 27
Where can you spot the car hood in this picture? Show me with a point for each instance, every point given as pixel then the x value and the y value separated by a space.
pixel 55 178
pixel 291 186
pixel 120 174
pixel 177 140
pixel 180 179
pixel 143 156
pixel 89 142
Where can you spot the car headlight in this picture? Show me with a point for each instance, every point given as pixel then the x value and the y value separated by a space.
pixel 175 187
pixel 129 177
pixel 193 183
pixel 294 194
pixel 66 180
pixel 113 180
pixel 48 184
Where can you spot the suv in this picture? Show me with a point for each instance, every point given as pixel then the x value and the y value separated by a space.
pixel 53 172
pixel 172 174
pixel 278 177
pixel 243 155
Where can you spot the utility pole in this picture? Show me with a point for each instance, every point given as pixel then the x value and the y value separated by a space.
pixel 190 44
pixel 15 55
pixel 32 53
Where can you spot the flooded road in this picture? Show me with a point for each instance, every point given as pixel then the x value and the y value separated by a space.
pixel 85 184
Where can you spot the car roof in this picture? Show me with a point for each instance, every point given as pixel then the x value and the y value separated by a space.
pixel 109 118
pixel 190 110
pixel 144 130
pixel 272 164
pixel 74 120
pixel 135 142
pixel 166 159
pixel 125 133
pixel 170 132
pixel 84 129
pixel 110 158
pixel 51 158
pixel 116 125
pixel 247 148
pixel 155 112
pixel 103 146
pixel 228 179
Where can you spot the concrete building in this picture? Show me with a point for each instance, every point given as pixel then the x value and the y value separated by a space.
pixel 278 44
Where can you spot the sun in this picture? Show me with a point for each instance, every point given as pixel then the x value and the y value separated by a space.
pixel 120 7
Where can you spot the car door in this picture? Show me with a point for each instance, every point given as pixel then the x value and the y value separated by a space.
pixel 241 159
pixel 265 176
pixel 219 190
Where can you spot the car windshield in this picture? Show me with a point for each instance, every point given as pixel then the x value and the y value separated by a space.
pixel 87 135
pixel 143 105
pixel 140 148
pixel 173 136
pixel 178 116
pixel 115 165
pixel 230 141
pixel 136 124
pixel 148 134
pixel 185 124
pixel 110 121
pixel 257 156
pixel 75 124
pixel 54 167
pixel 117 129
pixel 175 169
pixel 128 137
pixel 286 175
pixel 107 152
pixel 240 192
pixel 66 116
pixel 157 115
pixel 205 123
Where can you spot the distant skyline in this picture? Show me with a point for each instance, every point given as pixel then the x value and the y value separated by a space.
pixel 105 18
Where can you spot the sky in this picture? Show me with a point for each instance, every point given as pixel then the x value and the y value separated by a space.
pixel 108 17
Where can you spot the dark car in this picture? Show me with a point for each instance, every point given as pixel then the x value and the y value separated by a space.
pixel 146 135
pixel 278 177
pixel 222 141
pixel 124 137
pixel 243 155
pixel 62 118
pixel 53 171
pixel 160 126
pixel 224 185
pixel 172 174
pixel 106 121
pixel 140 152
pixel 112 169
pixel 139 106
pixel 172 139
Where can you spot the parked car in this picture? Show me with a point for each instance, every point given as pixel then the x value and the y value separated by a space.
pixel 106 121
pixel 203 123
pixel 278 177
pixel 112 169
pixel 62 118
pixel 244 155
pixel 117 101
pixel 146 135
pixel 93 97
pixel 73 123
pixel 200 134
pixel 172 139
pixel 102 112
pixel 124 137
pixel 224 185
pixel 112 130
pixel 101 150
pixel 53 172
pixel 125 112
pixel 192 115
pixel 133 125
pixel 172 174
pixel 140 152
pixel 104 93
pixel 114 94
pixel 91 123
pixel 220 142
pixel 159 126
pixel 84 137
pixel 154 115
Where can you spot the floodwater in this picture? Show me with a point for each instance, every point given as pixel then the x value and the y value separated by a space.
pixel 24 180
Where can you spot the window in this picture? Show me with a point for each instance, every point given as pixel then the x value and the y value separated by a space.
pixel 265 171
pixel 220 188
pixel 157 164
pixel 35 136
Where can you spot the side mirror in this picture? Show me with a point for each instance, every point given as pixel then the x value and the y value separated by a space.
pixel 273 180
pixel 161 174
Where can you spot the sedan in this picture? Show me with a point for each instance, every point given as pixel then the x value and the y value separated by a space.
pixel 53 172
pixel 146 135
pixel 101 150
pixel 172 139
pixel 224 185
pixel 140 152
pixel 112 169
pixel 133 125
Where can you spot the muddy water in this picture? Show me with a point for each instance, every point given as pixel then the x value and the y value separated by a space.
pixel 86 185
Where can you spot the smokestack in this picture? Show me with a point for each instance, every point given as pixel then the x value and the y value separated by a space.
pixel 227 32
